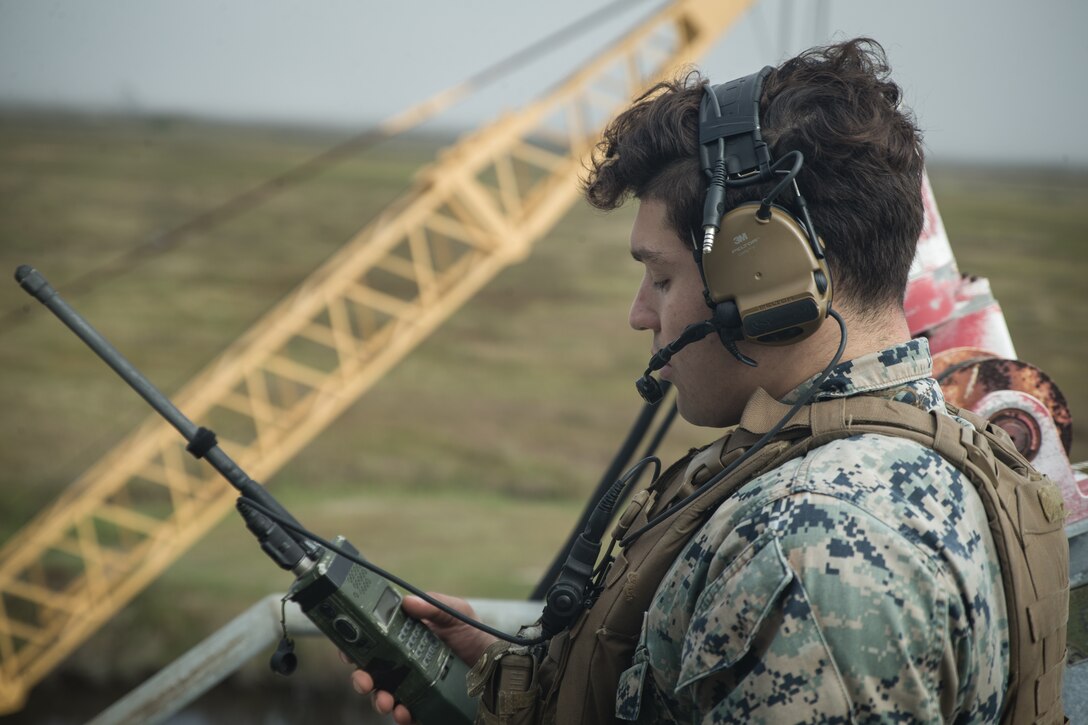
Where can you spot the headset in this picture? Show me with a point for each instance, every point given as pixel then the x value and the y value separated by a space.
pixel 764 272
pixel 769 282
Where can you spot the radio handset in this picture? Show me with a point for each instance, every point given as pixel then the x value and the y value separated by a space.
pixel 355 608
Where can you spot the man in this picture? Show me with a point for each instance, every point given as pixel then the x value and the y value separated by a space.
pixel 857 580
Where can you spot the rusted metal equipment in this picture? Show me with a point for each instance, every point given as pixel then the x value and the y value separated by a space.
pixel 975 362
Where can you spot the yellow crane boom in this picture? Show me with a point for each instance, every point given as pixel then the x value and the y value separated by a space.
pixel 471 213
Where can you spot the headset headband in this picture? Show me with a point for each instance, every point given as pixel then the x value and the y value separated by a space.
pixel 729 130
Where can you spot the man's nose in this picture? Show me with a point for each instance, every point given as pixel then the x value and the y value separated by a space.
pixel 642 316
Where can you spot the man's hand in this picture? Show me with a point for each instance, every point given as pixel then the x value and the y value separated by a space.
pixel 467 643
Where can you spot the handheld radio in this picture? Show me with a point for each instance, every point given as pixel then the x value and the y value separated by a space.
pixel 354 607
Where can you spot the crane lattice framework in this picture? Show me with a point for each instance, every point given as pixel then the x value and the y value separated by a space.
pixel 470 214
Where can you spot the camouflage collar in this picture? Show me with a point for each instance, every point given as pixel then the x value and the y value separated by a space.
pixel 899 373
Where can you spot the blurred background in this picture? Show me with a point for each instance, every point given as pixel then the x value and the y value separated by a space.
pixel 132 138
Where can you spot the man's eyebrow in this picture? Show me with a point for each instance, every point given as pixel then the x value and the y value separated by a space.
pixel 641 254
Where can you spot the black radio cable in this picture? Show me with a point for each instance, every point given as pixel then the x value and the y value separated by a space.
pixel 302 532
pixel 639 429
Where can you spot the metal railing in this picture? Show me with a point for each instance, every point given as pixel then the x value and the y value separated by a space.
pixel 250 634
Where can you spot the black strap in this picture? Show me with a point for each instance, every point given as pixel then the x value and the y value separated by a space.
pixel 729 113
pixel 202 442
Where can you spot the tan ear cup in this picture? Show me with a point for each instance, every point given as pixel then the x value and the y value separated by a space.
pixel 769 269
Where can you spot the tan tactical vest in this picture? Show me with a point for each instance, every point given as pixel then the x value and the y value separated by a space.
pixel 577 681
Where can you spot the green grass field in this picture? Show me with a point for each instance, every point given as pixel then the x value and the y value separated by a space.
pixel 484 441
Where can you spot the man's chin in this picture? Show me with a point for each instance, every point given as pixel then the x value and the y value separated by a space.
pixel 691 411
pixel 698 411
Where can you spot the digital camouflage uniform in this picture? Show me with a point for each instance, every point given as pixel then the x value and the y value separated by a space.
pixel 856 583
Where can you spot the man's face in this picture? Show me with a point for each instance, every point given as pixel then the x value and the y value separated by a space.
pixel 711 386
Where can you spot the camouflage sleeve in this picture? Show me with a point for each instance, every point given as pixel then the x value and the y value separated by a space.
pixel 857 584
pixel 828 617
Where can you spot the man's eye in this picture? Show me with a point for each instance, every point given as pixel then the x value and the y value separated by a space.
pixel 661 284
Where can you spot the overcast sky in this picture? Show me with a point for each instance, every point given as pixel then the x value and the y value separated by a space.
pixel 988 79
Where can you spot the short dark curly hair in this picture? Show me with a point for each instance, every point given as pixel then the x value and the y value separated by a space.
pixel 863 168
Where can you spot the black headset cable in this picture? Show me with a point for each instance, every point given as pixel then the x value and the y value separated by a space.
pixel 810 392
